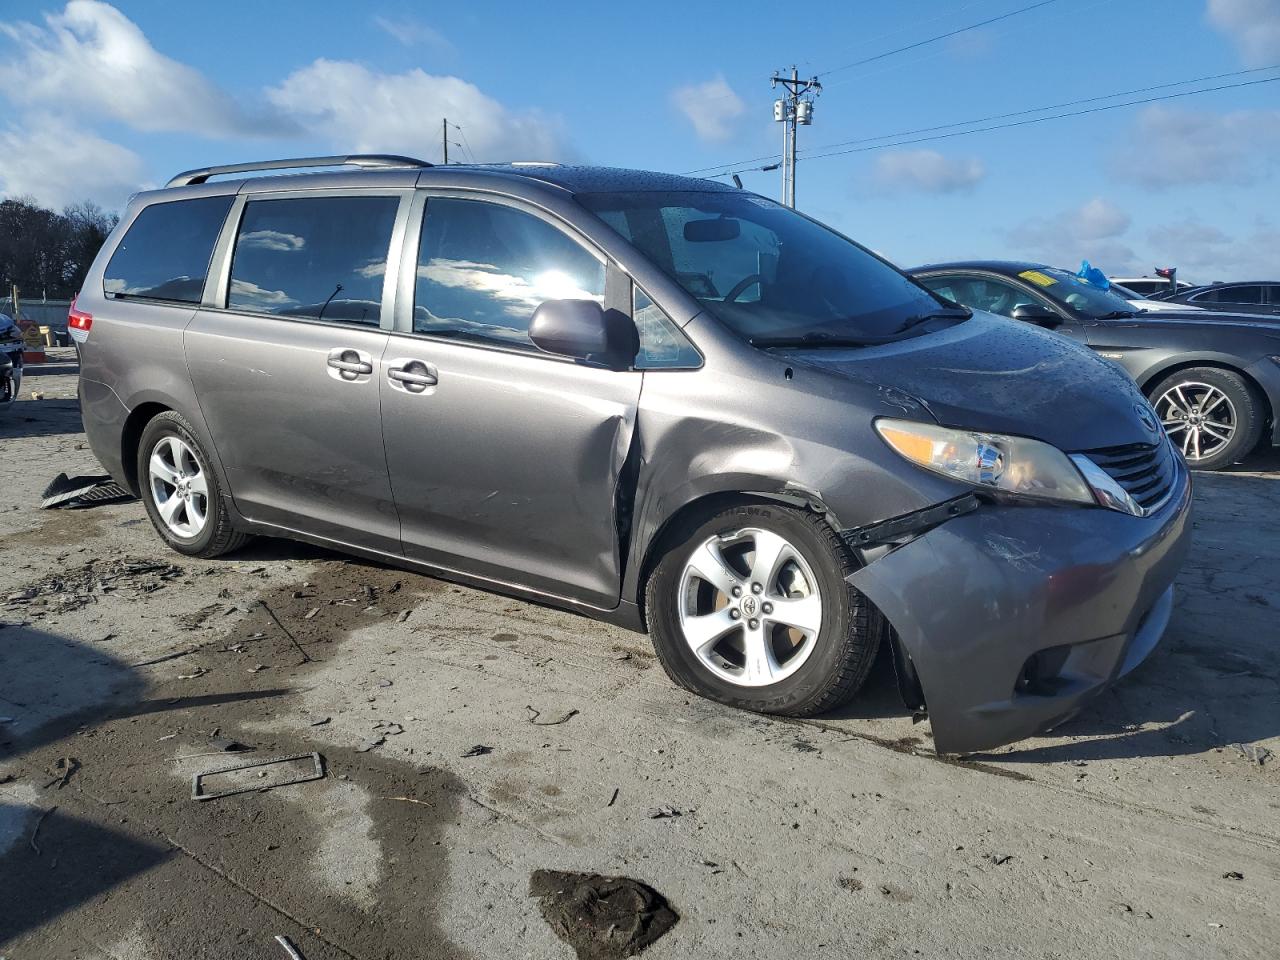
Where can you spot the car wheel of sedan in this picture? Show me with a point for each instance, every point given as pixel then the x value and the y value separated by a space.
pixel 1213 416
pixel 750 607
pixel 181 494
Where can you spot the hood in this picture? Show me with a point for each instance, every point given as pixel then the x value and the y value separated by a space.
pixel 1004 376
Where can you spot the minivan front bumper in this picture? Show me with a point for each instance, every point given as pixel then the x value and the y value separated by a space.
pixel 1015 616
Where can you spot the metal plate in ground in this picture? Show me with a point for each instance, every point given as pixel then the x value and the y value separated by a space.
pixel 314 771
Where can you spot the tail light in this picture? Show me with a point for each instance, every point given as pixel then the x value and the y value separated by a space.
pixel 78 319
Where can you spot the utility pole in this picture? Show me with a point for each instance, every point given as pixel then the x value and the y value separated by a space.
pixel 444 136
pixel 792 111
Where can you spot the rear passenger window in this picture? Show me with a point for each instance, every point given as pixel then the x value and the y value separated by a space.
pixel 484 268
pixel 1240 295
pixel 165 253
pixel 320 257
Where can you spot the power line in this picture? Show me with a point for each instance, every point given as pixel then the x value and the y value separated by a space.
pixel 1052 106
pixel 941 36
pixel 738 168
pixel 1034 119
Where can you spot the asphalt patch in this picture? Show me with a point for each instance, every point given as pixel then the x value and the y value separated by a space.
pixel 602 918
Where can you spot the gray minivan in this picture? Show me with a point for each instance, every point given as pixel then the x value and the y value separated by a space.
pixel 660 401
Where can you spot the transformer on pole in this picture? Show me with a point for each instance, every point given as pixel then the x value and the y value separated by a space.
pixel 793 111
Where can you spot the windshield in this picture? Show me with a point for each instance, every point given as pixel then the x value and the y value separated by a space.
pixel 770 274
pixel 1079 295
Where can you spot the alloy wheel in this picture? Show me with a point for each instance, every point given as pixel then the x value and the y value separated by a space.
pixel 750 607
pixel 178 487
pixel 1198 417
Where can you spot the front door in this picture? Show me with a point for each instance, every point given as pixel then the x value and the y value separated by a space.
pixel 505 461
pixel 287 367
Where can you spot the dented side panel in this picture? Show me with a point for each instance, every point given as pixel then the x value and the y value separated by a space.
pixel 507 468
pixel 762 424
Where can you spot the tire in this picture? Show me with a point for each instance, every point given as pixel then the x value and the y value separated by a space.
pixel 165 436
pixel 1223 394
pixel 834 659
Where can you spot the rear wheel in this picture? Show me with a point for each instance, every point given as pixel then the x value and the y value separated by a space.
pixel 1213 416
pixel 750 607
pixel 180 491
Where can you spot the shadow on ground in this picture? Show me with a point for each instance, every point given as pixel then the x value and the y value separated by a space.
pixel 52 690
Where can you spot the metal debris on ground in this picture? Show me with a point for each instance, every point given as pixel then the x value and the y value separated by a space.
pixel 313 771
pixel 72 589
pixel 602 918
pixel 36 829
pixel 285 630
pixel 479 750
pixel 563 718
pixel 289 948
pixel 664 812
pixel 1252 752
pixel 77 492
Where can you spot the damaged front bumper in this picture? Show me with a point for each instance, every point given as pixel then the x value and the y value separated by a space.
pixel 1013 616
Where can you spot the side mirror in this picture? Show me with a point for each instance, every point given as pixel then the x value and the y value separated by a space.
pixel 584 330
pixel 1035 313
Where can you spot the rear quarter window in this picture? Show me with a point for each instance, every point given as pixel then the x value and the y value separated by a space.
pixel 166 251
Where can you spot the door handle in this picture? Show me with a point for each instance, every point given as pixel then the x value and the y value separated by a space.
pixel 348 364
pixel 413 376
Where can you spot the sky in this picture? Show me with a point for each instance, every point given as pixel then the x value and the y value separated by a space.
pixel 101 100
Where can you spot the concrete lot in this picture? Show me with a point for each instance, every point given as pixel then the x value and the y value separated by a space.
pixel 1138 830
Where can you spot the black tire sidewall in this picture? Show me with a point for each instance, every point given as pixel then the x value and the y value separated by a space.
pixel 826 662
pixel 1242 397
pixel 171 425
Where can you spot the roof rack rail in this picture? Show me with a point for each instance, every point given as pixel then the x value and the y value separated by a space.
pixel 382 160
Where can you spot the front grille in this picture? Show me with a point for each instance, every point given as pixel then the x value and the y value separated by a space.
pixel 1146 471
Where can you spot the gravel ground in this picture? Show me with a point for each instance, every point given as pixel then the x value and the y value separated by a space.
pixel 1147 827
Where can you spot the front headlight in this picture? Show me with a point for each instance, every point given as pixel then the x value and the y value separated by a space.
pixel 1016 465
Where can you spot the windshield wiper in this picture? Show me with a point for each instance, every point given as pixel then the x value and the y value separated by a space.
pixel 810 340
pixel 910 322
pixel 1117 315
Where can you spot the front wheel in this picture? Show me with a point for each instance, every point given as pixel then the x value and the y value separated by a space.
pixel 180 491
pixel 750 607
pixel 1213 416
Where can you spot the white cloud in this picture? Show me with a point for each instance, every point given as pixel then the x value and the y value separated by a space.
pixel 1093 231
pixel 363 110
pixel 1174 147
pixel 711 107
pixel 1254 26
pixel 411 32
pixel 57 164
pixel 928 171
pixel 93 60
pixel 1203 253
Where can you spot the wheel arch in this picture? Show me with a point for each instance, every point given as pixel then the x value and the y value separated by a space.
pixel 131 436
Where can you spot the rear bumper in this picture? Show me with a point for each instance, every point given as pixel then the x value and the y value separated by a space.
pixel 1015 616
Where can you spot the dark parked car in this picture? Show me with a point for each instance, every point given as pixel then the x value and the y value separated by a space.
pixel 1214 379
pixel 655 400
pixel 1260 297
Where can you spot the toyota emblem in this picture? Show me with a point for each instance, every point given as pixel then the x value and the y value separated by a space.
pixel 1147 417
